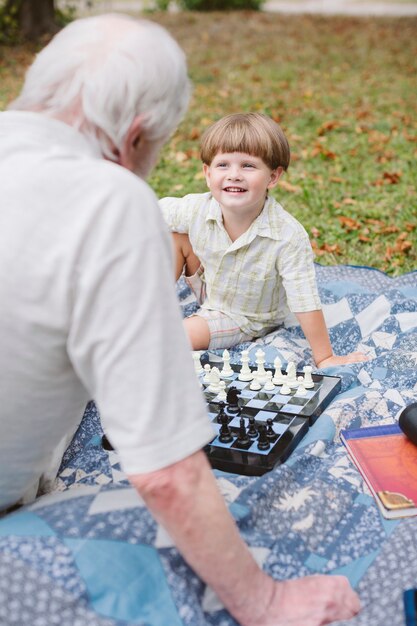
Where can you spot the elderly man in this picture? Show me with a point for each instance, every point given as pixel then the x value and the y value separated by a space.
pixel 89 308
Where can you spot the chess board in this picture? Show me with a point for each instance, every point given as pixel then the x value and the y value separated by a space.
pixel 291 417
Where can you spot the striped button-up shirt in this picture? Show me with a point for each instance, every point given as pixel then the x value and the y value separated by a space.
pixel 256 279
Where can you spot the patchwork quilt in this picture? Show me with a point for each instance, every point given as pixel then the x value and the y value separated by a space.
pixel 90 554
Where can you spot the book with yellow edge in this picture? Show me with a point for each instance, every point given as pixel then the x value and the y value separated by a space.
pixel 387 460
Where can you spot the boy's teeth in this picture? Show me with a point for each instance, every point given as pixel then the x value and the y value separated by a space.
pixel 234 189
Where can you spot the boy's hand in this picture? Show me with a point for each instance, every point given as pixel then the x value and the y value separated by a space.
pixel 353 357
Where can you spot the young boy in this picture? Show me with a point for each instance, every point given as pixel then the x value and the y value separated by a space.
pixel 249 262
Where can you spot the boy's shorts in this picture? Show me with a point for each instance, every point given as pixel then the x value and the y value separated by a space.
pixel 224 333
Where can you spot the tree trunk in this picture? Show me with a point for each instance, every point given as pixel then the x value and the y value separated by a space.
pixel 35 17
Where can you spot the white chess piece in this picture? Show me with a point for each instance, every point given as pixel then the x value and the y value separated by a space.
pixel 278 377
pixel 285 390
pixel 291 379
pixel 260 360
pixel 206 369
pixel 269 385
pixel 301 391
pixel 214 375
pixel 222 393
pixel 308 381
pixel 227 371
pixel 245 372
pixel 197 363
pixel 255 384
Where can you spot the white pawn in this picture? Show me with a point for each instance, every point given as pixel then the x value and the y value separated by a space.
pixel 227 371
pixel 222 393
pixel 308 380
pixel 214 376
pixel 255 384
pixel 269 385
pixel 278 378
pixel 301 390
pixel 285 390
pixel 197 363
pixel 206 369
pixel 245 371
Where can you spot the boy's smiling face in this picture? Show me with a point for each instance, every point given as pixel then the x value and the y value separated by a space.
pixel 239 181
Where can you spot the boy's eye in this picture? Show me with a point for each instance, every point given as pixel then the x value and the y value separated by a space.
pixel 221 164
pixel 248 165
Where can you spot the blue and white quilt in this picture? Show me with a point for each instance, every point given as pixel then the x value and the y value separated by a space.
pixel 90 554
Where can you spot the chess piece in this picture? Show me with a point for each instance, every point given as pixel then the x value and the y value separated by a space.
pixel 260 362
pixel 255 384
pixel 308 380
pixel 222 393
pixel 291 379
pixel 207 370
pixel 221 414
pixel 252 432
pixel 263 442
pixel 227 371
pixel 214 379
pixel 197 363
pixel 232 399
pixel 245 371
pixel 269 385
pixel 243 437
pixel 225 434
pixel 278 377
pixel 270 433
pixel 285 390
pixel 301 391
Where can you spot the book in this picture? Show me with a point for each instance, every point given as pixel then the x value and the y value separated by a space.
pixel 387 460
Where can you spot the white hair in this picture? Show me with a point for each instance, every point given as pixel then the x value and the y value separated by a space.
pixel 106 70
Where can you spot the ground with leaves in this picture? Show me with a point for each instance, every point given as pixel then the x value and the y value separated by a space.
pixel 344 90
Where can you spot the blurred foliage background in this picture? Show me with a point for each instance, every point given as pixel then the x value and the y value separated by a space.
pixel 344 91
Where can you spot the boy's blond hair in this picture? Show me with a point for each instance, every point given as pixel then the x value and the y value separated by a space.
pixel 252 133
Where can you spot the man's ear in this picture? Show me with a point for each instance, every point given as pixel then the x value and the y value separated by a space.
pixel 128 150
pixel 275 176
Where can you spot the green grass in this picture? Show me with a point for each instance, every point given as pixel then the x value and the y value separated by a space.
pixel 343 89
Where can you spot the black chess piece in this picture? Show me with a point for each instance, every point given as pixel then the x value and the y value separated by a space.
pixel 263 442
pixel 270 433
pixel 225 434
pixel 243 437
pixel 232 399
pixel 221 412
pixel 252 432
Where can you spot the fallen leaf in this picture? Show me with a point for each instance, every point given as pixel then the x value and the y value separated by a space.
pixel 392 177
pixel 330 125
pixel 348 223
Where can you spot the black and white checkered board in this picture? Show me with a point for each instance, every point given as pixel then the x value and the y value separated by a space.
pixel 291 417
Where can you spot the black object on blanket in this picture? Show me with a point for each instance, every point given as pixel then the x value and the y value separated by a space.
pixel 408 422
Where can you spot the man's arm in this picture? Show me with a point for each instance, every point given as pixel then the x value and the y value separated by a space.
pixel 185 499
pixel 315 330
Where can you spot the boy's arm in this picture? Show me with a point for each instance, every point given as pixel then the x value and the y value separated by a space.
pixel 314 328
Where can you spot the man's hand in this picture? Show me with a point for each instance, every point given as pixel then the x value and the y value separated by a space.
pixel 310 601
pixel 353 357
pixel 185 499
